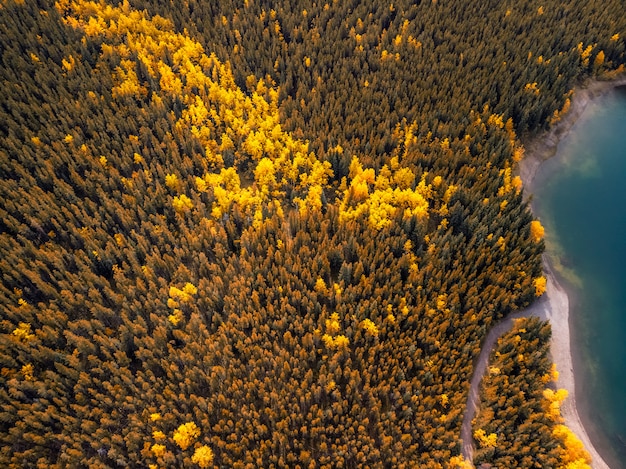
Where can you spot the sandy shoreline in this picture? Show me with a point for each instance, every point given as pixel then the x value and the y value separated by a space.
pixel 555 308
pixel 541 147
pixel 555 304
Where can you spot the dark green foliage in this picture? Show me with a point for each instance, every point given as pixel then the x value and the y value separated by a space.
pixel 92 249
pixel 472 54
pixel 512 402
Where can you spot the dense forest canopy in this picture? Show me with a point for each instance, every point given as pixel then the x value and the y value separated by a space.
pixel 274 234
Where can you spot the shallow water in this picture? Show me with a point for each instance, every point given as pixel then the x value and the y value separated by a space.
pixel 580 197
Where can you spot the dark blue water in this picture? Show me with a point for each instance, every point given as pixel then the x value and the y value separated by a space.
pixel 580 197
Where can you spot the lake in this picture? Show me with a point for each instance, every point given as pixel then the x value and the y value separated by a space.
pixel 580 197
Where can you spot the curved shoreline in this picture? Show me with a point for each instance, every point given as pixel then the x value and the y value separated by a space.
pixel 556 308
pixel 542 146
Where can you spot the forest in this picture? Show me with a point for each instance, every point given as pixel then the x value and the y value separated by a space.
pixel 245 234
pixel 520 423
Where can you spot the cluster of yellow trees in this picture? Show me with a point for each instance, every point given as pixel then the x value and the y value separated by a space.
pixel 184 437
pixel 228 121
pixel 377 198
pixel 177 298
pixel 240 133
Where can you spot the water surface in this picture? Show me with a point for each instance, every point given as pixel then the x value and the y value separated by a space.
pixel 580 197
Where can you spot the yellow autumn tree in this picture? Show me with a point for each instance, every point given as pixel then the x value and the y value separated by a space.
pixel 536 230
pixel 484 440
pixel 341 341
pixel 599 60
pixel 332 324
pixel 554 399
pixel 510 183
pixel 182 203
pixel 172 181
pixel 23 332
pixel 158 450
pixel 369 327
pixel 458 462
pixel 203 456
pixel 185 435
pixel 540 284
pixel 573 455
pixel 320 285
pixel 28 371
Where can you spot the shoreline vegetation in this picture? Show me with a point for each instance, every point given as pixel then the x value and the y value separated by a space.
pixel 538 309
pixel 543 145
pixel 555 306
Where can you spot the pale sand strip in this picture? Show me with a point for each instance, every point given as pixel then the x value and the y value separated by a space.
pixel 556 310
pixel 554 304
pixel 556 307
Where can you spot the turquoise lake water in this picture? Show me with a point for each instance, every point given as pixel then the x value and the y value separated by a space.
pixel 580 197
